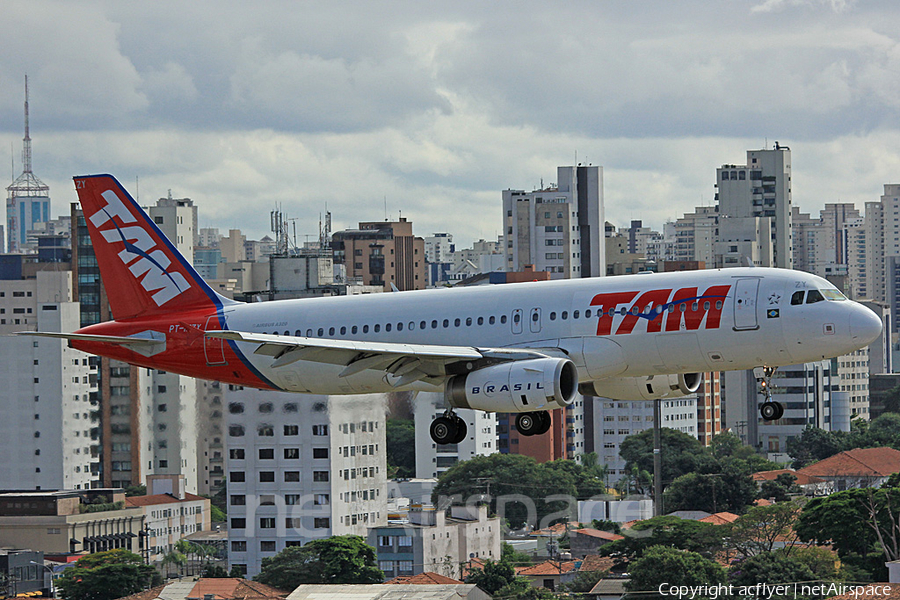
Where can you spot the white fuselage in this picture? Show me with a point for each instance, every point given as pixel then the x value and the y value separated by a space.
pixel 752 324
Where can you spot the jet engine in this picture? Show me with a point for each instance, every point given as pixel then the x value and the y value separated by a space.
pixel 516 386
pixel 643 388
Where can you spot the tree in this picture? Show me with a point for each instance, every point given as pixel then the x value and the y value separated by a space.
pixel 662 565
pixel 136 490
pixel 780 488
pixel 584 581
pixel 236 572
pixel 520 588
pixel 681 453
pixel 520 481
pixel 760 528
pixel 606 525
pixel 173 557
pixel 338 559
pixel 684 534
pixel 843 520
pixel 731 490
pixel 512 556
pixel 106 575
pixel 493 576
pixel 401 447
pixel 214 572
pixel 769 566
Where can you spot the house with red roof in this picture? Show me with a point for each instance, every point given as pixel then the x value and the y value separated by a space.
pixel 550 573
pixel 426 578
pixel 206 588
pixel 811 485
pixel 720 518
pixel 588 541
pixel 170 515
pixel 857 468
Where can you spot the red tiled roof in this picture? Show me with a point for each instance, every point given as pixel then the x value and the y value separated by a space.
pixel 595 562
pixel 802 478
pixel 720 518
pixel 597 533
pixel 227 588
pixel 550 567
pixel 558 529
pixel 860 462
pixel 630 524
pixel 160 499
pixel 762 502
pixel 426 578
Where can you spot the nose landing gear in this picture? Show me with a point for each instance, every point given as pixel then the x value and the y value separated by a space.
pixel 769 410
pixel 448 429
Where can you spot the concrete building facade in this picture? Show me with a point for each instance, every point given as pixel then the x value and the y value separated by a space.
pixel 558 229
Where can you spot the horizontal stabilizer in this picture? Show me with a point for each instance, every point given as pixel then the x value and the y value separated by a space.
pixel 146 343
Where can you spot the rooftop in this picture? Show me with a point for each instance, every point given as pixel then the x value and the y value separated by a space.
pixel 426 578
pixel 859 462
pixel 802 478
pixel 160 499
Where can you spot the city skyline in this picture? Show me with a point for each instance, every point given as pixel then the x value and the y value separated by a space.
pixel 411 108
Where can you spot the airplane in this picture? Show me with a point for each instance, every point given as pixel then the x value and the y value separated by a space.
pixel 523 348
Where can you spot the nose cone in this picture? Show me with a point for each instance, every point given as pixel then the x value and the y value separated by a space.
pixel 865 325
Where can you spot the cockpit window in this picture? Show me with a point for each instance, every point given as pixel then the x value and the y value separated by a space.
pixel 814 296
pixel 832 294
pixel 797 297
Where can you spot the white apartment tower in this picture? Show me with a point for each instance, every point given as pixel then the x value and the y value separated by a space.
pixel 48 415
pixel 696 234
pixel 761 188
pixel 432 460
pixel 301 467
pixel 558 229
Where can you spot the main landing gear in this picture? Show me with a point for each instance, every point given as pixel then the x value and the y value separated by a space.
pixel 448 429
pixel 533 423
pixel 769 410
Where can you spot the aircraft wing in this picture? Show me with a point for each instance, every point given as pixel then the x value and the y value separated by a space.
pixel 407 362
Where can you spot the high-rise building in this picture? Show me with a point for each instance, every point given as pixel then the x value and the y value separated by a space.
pixel 558 229
pixel 28 198
pixel 301 469
pixel 48 408
pixel 761 188
pixel 382 253
pixel 696 234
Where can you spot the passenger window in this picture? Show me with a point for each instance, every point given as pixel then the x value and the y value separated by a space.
pixel 446 323
pixel 298 333
pixel 718 305
pixel 552 316
pixel 354 329
pixel 331 331
pixel 365 329
pixel 468 321
pixel 387 327
pixel 287 333
pixel 706 305
pixel 377 328
pixel 492 320
pixel 535 316
pixel 575 314
pixel 814 296
pixel 309 333
pixel 344 330
pixel 321 332
pixel 797 298
pixel 434 324
pixel 565 315
pixel 456 322
pixel 399 326
pixel 587 314
pixel 503 319
pixel 517 317
pixel 422 325
pixel 481 320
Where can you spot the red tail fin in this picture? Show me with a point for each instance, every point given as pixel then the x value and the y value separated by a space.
pixel 142 271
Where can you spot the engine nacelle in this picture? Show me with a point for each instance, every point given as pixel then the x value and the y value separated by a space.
pixel 517 386
pixel 643 388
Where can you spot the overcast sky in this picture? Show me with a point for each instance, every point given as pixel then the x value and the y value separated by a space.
pixel 433 108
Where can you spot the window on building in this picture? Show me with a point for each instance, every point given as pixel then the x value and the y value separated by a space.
pixel 291 430
pixel 236 477
pixel 267 522
pixel 266 476
pixel 266 453
pixel 320 452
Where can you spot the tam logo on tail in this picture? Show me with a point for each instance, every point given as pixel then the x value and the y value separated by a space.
pixel 144 260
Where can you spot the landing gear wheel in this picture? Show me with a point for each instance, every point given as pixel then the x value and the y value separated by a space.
pixel 546 422
pixel 771 411
pixel 461 430
pixel 528 423
pixel 444 430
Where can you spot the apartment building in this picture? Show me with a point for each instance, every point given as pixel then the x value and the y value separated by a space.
pixel 49 399
pixel 301 468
